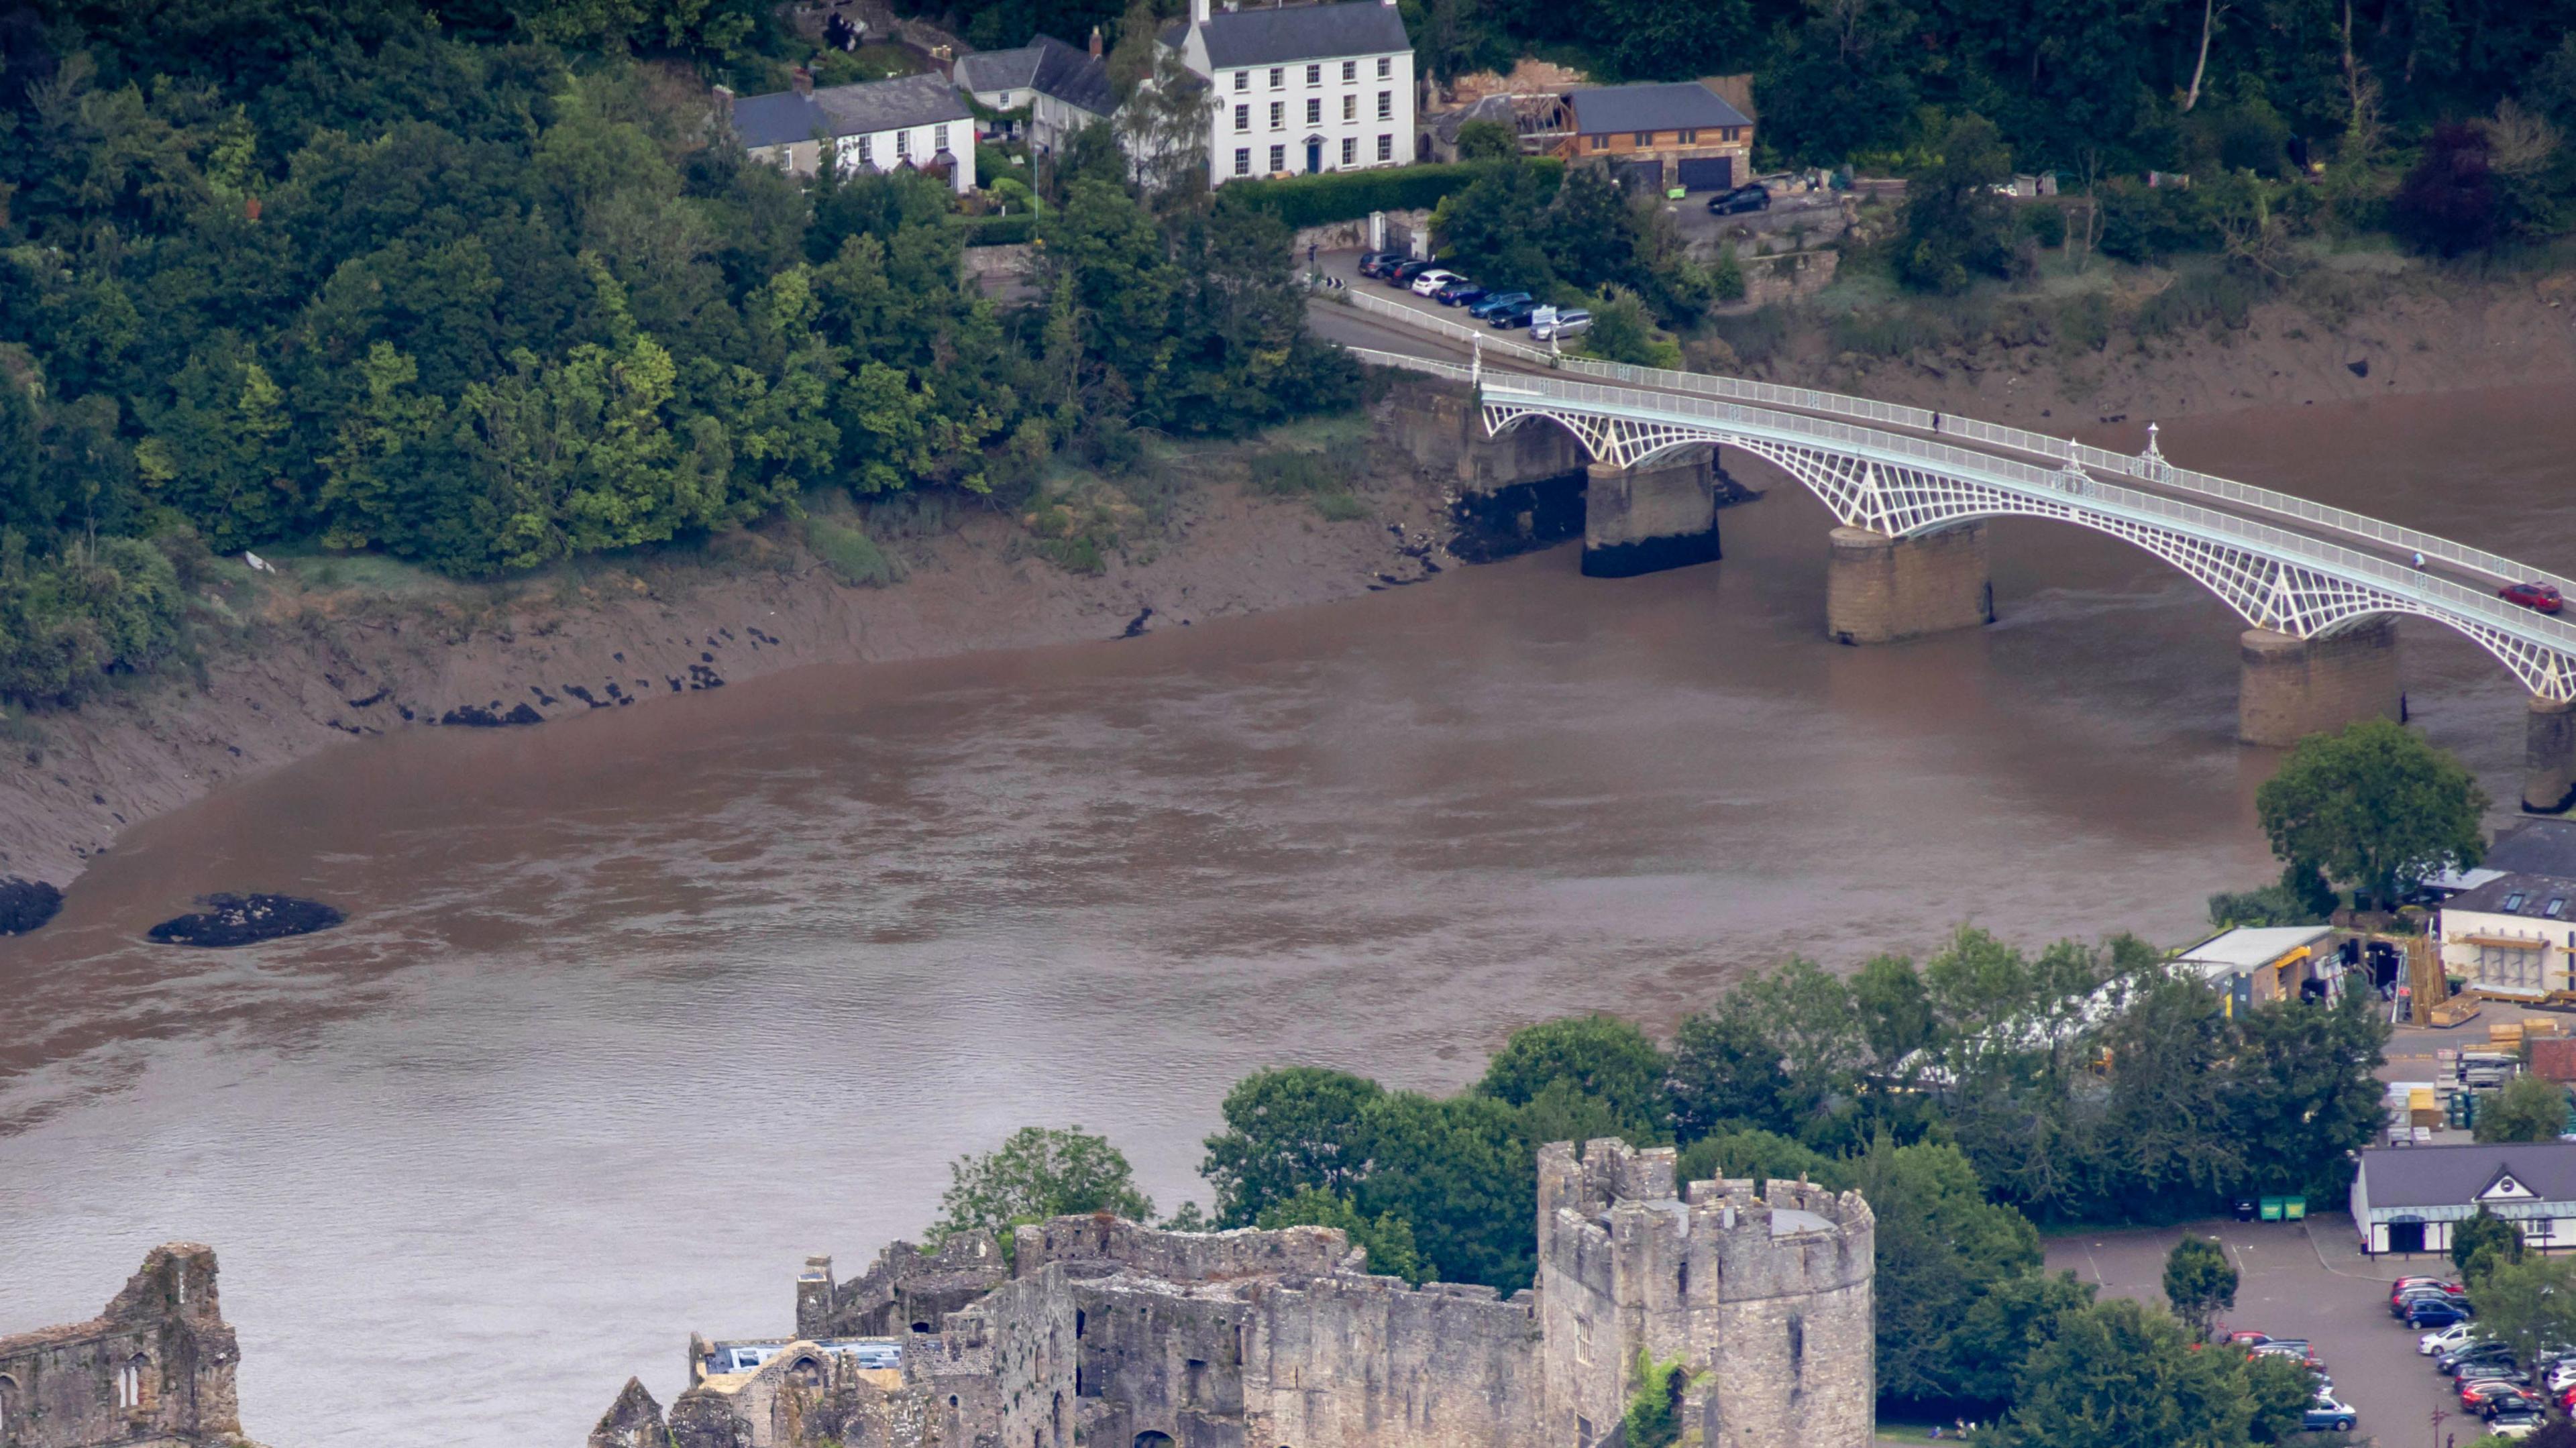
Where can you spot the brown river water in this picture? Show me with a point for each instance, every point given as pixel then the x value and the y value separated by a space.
pixel 635 1010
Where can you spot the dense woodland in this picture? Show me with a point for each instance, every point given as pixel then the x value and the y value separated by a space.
pixel 483 287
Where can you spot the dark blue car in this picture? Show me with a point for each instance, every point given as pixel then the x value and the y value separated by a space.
pixel 2434 1314
pixel 1494 302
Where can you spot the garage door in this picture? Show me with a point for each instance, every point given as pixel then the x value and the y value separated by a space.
pixel 1642 175
pixel 1712 173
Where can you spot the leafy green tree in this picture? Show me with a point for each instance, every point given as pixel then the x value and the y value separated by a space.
pixel 1750 1154
pixel 1487 141
pixel 2482 1243
pixel 1895 1009
pixel 2528 1302
pixel 2527 1109
pixel 2374 807
pixel 1387 1238
pixel 2305 1092
pixel 2200 1282
pixel 1623 332
pixel 1461 1171
pixel 1941 1247
pixel 1288 1131
pixel 2014 1318
pixel 1956 227
pixel 2118 1374
pixel 1039 1172
pixel 1725 1073
pixel 1599 1056
pixel 2279 1390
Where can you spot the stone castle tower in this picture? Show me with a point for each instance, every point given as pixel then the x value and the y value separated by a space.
pixel 1765 1300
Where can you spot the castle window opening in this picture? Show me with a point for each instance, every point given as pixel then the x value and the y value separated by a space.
pixel 8 1406
pixel 1582 1431
pixel 1079 1318
pixel 1152 1439
pixel 952 1400
pixel 921 1327
pixel 133 1382
pixel 1681 1281
pixel 1797 1347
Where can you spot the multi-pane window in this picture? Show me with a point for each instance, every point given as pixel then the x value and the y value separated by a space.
pixel 1350 150
pixel 1314 110
pixel 1243 80
pixel 939 139
pixel 1314 75
pixel 1278 114
pixel 1350 70
pixel 903 143
pixel 1386 105
pixel 1278 158
pixel 1599 143
pixel 1350 108
pixel 1278 77
pixel 1645 138
pixel 1690 138
pixel 867 150
pixel 1385 67
pixel 1243 160
pixel 1386 148
pixel 1243 118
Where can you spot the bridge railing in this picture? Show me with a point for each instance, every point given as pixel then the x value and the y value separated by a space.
pixel 2153 471
pixel 2213 523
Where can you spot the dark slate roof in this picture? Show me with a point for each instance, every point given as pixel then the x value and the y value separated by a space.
pixel 2536 892
pixel 780 119
pixel 784 117
pixel 1277 35
pixel 2537 847
pixel 885 105
pixel 1074 76
pixel 2454 1176
pixel 1669 106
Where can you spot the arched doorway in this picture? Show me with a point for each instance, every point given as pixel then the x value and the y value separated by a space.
pixel 1151 1439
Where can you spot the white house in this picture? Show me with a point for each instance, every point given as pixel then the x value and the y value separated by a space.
pixel 2407 1198
pixel 1064 89
pixel 2512 933
pixel 917 121
pixel 1296 89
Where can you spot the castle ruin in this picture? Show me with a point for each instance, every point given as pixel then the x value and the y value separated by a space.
pixel 154 1370
pixel 1108 1334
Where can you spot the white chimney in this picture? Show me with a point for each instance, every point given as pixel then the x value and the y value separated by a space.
pixel 1198 12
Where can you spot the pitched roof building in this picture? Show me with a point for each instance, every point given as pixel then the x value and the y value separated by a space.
pixel 2512 933
pixel 913 120
pixel 2408 1198
pixel 1661 135
pixel 1300 89
pixel 1062 88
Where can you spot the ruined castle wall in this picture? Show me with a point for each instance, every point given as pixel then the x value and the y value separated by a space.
pixel 1029 1326
pixel 60 1387
pixel 903 1287
pixel 1364 1362
pixel 1180 1256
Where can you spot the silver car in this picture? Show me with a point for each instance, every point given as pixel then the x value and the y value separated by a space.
pixel 1571 322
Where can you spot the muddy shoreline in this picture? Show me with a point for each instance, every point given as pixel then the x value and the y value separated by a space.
pixel 337 672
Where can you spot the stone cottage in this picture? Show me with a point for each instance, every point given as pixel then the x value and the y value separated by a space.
pixel 1114 1335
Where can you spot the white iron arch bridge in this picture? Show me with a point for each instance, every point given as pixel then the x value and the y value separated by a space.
pixel 2292 582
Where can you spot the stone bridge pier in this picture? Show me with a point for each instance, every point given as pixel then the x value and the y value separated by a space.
pixel 2290 688
pixel 2549 756
pixel 1659 514
pixel 1880 589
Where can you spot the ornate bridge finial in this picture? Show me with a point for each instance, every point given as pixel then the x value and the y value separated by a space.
pixel 2153 454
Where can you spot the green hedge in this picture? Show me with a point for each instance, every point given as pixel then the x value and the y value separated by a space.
pixel 1350 195
pixel 1001 230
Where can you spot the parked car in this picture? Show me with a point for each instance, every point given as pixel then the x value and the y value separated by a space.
pixel 2325 1415
pixel 2436 1314
pixel 1433 279
pixel 2433 1344
pixel 2532 595
pixel 1570 322
pixel 2408 1284
pixel 1379 263
pixel 2516 1400
pixel 1493 302
pixel 2492 1370
pixel 1518 314
pixel 2413 1295
pixel 1742 198
pixel 1459 293
pixel 2479 1350
pixel 2299 1353
pixel 2516 1411
pixel 1401 275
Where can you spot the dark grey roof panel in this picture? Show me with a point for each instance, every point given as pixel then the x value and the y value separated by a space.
pixel 886 105
pixel 993 70
pixel 1074 75
pixel 1277 35
pixel 2453 1176
pixel 779 119
pixel 1669 106
pixel 2536 892
pixel 2536 847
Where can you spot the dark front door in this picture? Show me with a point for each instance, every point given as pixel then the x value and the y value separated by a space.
pixel 2406 1236
pixel 1314 157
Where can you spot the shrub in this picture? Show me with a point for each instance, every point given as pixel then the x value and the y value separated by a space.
pixel 1350 195
pixel 1320 477
pixel 852 555
pixel 1010 230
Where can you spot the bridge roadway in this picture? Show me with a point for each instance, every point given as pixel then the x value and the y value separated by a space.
pixel 2283 563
